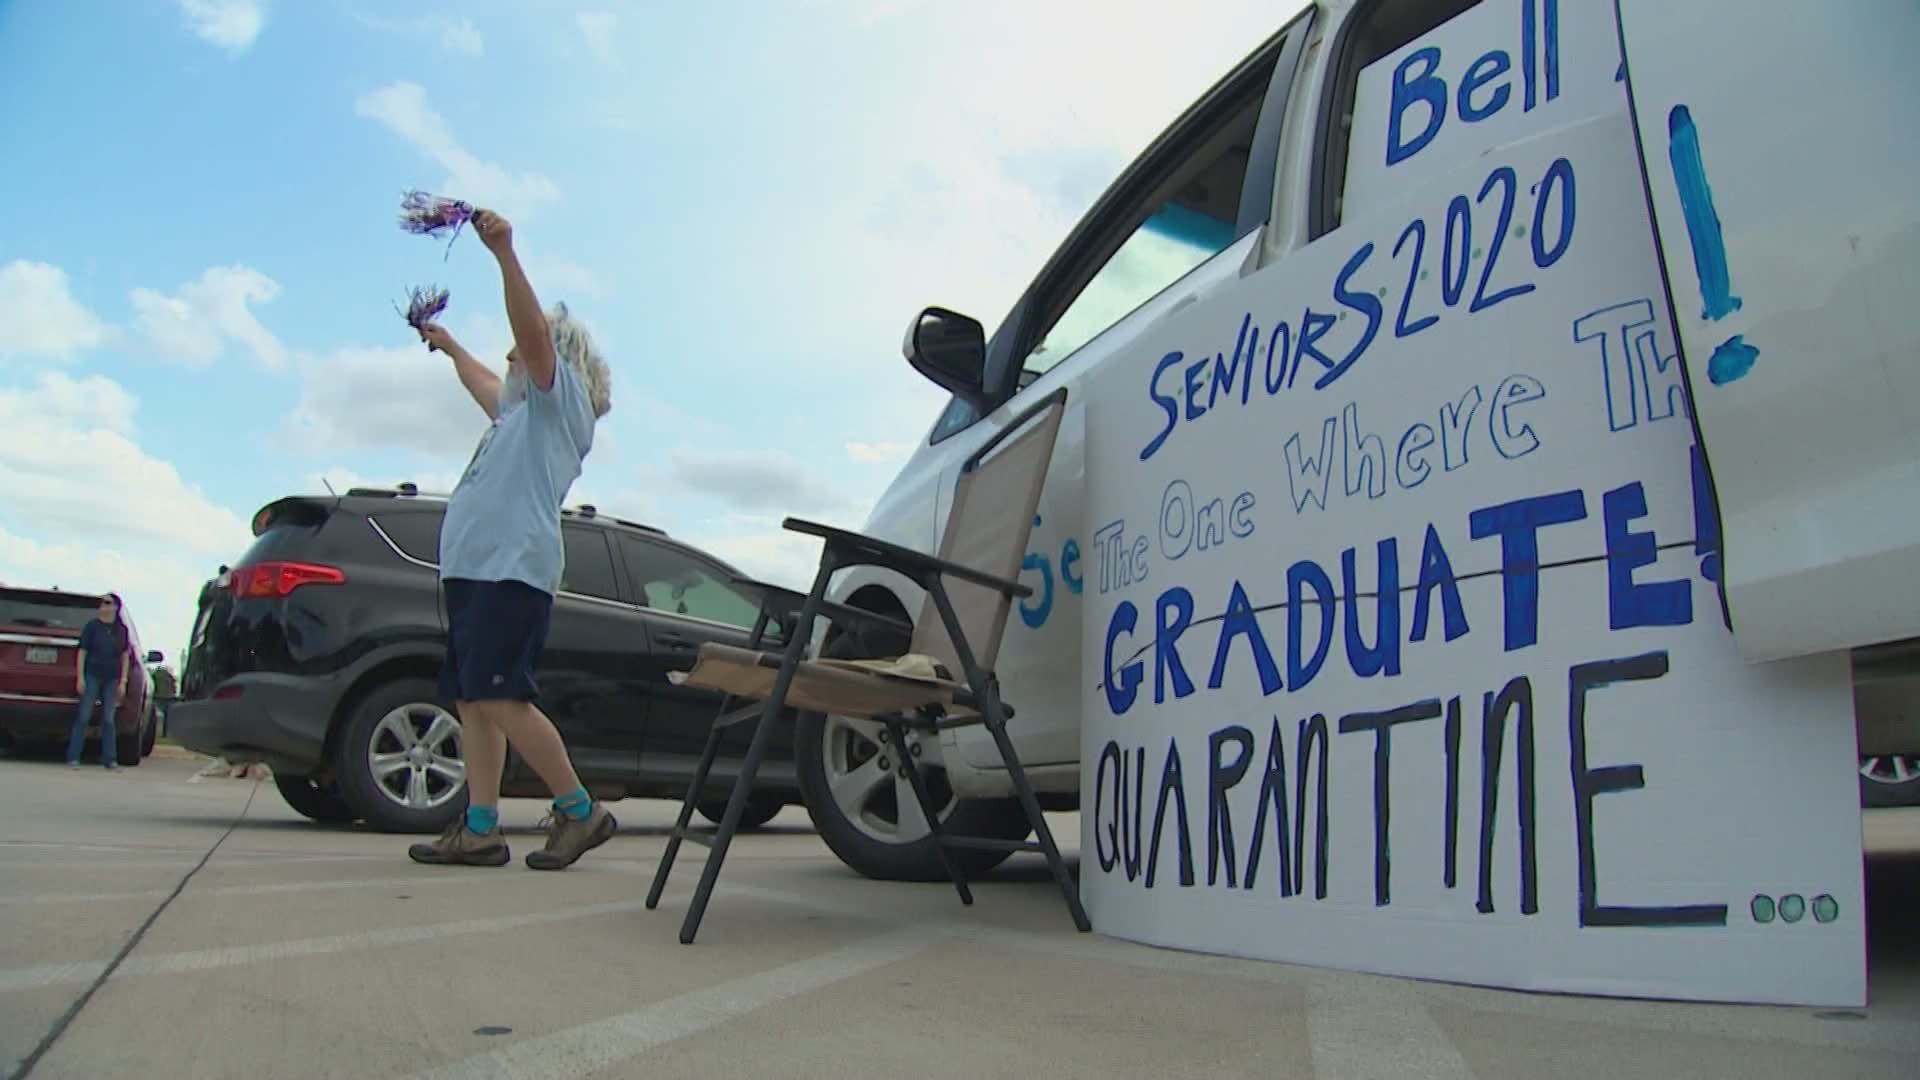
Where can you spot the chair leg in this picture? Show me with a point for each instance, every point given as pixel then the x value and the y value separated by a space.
pixel 707 756
pixel 995 717
pixel 750 766
pixel 1069 890
pixel 928 810
pixel 700 773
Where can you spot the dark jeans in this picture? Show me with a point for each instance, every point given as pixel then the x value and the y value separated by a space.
pixel 104 689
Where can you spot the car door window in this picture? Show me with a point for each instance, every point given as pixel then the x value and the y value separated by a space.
pixel 675 582
pixel 1187 216
pixel 589 565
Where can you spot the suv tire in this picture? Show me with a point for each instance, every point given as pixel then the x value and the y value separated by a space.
pixel 403 702
pixel 758 811
pixel 311 800
pixel 912 858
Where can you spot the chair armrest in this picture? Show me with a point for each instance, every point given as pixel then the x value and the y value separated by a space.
pixel 876 552
pixel 784 604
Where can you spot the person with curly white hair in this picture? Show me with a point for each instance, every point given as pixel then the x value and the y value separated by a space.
pixel 500 563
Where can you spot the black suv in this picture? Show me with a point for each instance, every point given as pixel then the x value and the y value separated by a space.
pixel 317 653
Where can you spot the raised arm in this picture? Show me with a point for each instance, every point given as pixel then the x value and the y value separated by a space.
pixel 481 382
pixel 532 338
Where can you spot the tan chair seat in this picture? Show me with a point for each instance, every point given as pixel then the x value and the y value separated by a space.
pixel 857 688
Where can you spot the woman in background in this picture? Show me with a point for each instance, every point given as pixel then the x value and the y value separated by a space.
pixel 100 674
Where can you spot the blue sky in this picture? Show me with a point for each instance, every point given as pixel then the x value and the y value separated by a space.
pixel 746 202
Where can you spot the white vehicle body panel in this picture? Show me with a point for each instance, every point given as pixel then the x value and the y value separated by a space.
pixel 1793 127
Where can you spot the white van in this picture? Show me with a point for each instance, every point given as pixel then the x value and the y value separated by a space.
pixel 1357 105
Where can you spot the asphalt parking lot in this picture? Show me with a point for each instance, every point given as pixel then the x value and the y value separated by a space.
pixel 263 945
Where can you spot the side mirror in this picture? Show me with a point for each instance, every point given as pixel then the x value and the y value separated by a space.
pixel 154 656
pixel 950 349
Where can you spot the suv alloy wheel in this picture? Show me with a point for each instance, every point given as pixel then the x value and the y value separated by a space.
pixel 399 761
pixel 867 814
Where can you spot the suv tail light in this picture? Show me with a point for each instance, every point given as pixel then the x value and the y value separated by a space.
pixel 278 579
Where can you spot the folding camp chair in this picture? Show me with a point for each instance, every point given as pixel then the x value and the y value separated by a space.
pixel 778 608
pixel 969 588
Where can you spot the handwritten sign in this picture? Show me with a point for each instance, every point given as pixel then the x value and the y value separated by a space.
pixel 1499 71
pixel 1401 646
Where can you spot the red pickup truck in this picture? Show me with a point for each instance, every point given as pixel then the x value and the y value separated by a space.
pixel 39 634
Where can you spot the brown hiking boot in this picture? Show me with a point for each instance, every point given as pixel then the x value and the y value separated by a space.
pixel 568 839
pixel 461 846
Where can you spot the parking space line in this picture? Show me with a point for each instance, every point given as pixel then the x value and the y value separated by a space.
pixel 236 890
pixel 204 959
pixel 587 1048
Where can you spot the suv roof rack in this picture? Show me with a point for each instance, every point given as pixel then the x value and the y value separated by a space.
pixel 592 512
pixel 405 489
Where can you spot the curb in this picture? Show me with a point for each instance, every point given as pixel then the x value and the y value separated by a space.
pixel 175 753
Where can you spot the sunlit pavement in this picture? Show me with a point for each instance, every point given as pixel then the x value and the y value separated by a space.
pixel 296 950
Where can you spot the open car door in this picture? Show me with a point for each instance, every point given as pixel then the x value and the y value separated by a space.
pixel 1779 149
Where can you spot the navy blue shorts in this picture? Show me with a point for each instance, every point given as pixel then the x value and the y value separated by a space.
pixel 495 633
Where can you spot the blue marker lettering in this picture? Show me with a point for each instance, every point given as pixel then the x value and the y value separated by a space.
pixel 1121 692
pixel 1176 602
pixel 1366 303
pixel 1170 405
pixel 1630 603
pixel 1517 524
pixel 1423 87
pixel 1492 65
pixel 1300 574
pixel 1241 622
pixel 1436 572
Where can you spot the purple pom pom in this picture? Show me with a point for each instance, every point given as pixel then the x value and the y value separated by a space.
pixel 430 215
pixel 424 305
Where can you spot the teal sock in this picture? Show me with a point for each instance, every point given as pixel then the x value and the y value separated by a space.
pixel 576 804
pixel 483 819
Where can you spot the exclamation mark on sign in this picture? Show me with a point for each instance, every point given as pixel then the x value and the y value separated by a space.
pixel 1733 358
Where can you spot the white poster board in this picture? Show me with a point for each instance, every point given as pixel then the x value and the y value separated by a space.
pixel 1497 72
pixel 1541 764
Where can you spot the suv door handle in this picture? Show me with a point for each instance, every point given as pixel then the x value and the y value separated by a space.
pixel 675 642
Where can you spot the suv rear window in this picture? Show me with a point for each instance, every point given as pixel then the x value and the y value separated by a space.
pixel 45 610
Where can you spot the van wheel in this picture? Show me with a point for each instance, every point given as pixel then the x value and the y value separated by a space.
pixel 311 800
pixel 399 760
pixel 865 810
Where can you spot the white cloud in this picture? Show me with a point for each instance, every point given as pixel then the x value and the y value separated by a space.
pixel 39 315
pixel 386 398
pixel 456 34
pixel 878 453
pixel 230 24
pixel 461 36
pixel 68 459
pixel 754 481
pixel 597 27
pixel 86 507
pixel 193 325
pixel 161 592
pixel 402 108
pixel 555 279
